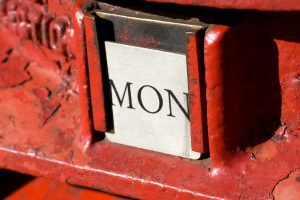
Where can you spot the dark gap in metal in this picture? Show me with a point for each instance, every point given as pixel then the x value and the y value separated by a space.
pixel 200 51
pixel 105 32
pixel 11 181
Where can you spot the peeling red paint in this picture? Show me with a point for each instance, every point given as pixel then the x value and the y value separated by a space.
pixel 266 150
pixel 252 80
pixel 288 188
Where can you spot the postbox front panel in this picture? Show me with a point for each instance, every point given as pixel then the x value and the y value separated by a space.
pixel 147 80
pixel 55 118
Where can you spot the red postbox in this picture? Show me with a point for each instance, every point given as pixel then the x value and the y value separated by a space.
pixel 90 93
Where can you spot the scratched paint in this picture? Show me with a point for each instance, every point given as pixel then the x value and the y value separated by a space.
pixel 45 123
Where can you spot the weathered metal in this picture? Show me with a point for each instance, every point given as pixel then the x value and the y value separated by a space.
pixel 196 81
pixel 251 86
pixel 101 109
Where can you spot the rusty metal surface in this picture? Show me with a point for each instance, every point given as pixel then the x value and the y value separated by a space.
pixel 252 92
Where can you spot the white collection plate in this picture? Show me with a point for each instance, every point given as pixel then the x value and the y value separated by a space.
pixel 141 77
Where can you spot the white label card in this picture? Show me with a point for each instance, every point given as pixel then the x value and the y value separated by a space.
pixel 150 99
